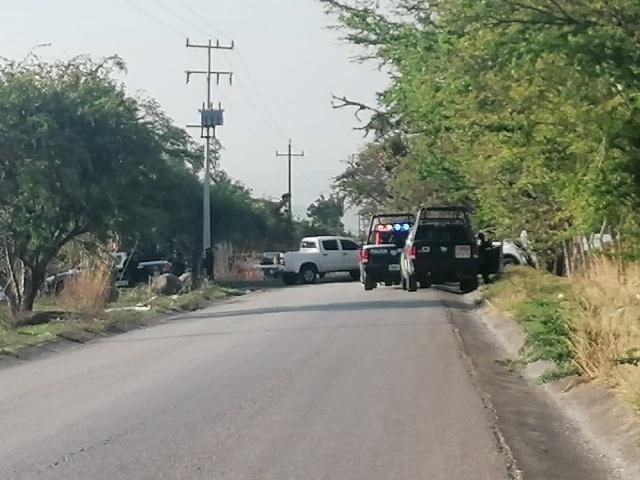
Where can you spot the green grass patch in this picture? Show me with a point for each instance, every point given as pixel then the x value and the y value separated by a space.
pixel 192 301
pixel 543 304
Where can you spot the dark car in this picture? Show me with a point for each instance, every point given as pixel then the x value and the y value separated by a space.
pixel 380 257
pixel 442 248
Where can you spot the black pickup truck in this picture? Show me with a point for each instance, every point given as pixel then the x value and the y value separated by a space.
pixel 442 248
pixel 380 257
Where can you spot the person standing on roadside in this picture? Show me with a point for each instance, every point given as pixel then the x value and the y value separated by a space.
pixel 485 247
pixel 207 264
pixel 178 265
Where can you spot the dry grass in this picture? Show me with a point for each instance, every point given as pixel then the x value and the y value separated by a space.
pixel 239 267
pixel 605 333
pixel 89 290
pixel 589 324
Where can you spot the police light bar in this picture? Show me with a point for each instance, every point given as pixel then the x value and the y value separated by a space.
pixel 396 227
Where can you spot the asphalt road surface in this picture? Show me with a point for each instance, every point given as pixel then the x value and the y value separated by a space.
pixel 317 382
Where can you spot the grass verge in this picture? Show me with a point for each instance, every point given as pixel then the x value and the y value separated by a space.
pixel 132 309
pixel 544 305
pixel 588 325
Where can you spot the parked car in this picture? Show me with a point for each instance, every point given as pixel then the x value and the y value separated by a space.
pixel 318 256
pixel 515 254
pixel 380 256
pixel 442 248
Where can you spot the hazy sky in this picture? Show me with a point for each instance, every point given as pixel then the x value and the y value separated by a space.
pixel 287 64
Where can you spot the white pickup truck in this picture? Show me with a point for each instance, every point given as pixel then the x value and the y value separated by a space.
pixel 318 256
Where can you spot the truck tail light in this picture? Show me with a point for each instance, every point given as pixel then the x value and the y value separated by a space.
pixel 364 256
pixel 412 253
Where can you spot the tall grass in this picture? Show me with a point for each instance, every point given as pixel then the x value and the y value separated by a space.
pixel 605 333
pixel 89 290
pixel 589 324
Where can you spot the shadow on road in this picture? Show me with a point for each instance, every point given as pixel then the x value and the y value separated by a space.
pixel 360 306
pixel 271 284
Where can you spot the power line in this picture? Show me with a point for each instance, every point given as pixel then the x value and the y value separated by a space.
pixel 264 103
pixel 271 117
pixel 197 15
pixel 180 17
pixel 252 102
pixel 244 122
pixel 156 19
pixel 265 112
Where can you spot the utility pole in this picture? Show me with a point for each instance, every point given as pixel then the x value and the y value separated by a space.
pixel 289 156
pixel 210 118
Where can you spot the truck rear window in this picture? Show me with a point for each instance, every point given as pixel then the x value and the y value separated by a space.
pixel 450 234
pixel 308 244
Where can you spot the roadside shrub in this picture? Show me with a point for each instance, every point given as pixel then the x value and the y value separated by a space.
pixel 547 330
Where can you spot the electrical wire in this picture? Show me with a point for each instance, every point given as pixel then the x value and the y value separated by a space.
pixel 196 14
pixel 156 19
pixel 180 17
pixel 271 117
pixel 242 119
pixel 269 121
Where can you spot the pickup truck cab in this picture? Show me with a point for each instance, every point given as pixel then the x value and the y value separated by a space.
pixel 380 257
pixel 318 256
pixel 442 248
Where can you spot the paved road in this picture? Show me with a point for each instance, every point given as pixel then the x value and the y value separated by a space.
pixel 321 382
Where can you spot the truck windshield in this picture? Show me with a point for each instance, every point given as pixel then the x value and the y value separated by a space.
pixel 396 238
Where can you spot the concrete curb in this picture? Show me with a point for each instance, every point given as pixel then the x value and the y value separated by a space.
pixel 609 426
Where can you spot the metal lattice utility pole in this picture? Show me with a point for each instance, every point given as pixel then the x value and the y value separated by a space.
pixel 210 119
pixel 289 156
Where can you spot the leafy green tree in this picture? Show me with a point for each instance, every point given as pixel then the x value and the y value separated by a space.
pixel 525 110
pixel 78 156
pixel 326 213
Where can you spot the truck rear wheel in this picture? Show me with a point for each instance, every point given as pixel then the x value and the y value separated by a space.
pixel 412 284
pixel 355 275
pixel 468 285
pixel 308 274
pixel 369 284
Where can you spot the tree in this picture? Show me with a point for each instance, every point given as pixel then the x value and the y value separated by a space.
pixel 77 156
pixel 525 110
pixel 326 214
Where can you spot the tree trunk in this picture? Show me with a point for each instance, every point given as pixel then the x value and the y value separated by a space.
pixel 33 281
pixel 567 258
pixel 24 287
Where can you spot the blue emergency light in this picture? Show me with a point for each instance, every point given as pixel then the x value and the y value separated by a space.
pixel 401 227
